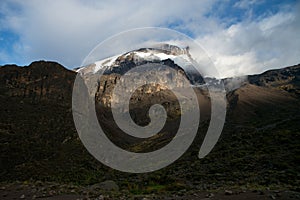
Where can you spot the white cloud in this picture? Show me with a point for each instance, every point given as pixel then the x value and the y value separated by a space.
pixel 253 47
pixel 66 31
pixel 244 4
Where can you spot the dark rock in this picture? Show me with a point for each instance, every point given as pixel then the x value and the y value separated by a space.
pixel 228 192
pixel 106 185
pixel 210 195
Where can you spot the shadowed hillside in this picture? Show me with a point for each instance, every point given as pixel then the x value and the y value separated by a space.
pixel 259 146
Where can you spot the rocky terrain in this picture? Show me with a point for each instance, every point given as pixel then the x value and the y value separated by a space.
pixel 42 156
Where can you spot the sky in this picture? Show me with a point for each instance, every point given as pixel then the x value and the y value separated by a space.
pixel 240 37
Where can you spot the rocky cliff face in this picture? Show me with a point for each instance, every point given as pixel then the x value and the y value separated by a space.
pixel 107 83
pixel 114 68
pixel 40 81
pixel 287 79
pixel 259 143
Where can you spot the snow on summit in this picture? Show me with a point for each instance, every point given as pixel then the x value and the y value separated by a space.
pixel 163 52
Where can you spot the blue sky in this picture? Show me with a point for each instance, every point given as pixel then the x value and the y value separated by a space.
pixel 241 37
pixel 238 11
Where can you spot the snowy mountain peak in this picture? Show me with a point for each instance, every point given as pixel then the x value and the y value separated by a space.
pixel 140 56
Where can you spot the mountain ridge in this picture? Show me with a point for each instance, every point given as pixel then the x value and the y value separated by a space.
pixel 259 144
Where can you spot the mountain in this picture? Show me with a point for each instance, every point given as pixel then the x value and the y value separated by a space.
pixel 170 55
pixel 258 148
pixel 40 81
pixel 286 79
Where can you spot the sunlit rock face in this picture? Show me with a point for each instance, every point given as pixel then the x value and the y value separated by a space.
pixel 115 69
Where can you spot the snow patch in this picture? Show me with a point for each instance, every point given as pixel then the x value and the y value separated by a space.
pixel 108 62
pixel 181 60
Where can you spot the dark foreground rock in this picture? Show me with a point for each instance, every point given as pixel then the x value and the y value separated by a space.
pixel 52 191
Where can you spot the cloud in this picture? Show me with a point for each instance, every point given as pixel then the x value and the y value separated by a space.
pixel 66 31
pixel 255 46
pixel 244 4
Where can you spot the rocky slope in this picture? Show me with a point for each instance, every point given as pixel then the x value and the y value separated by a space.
pixel 259 146
pixel 287 79
pixel 40 81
